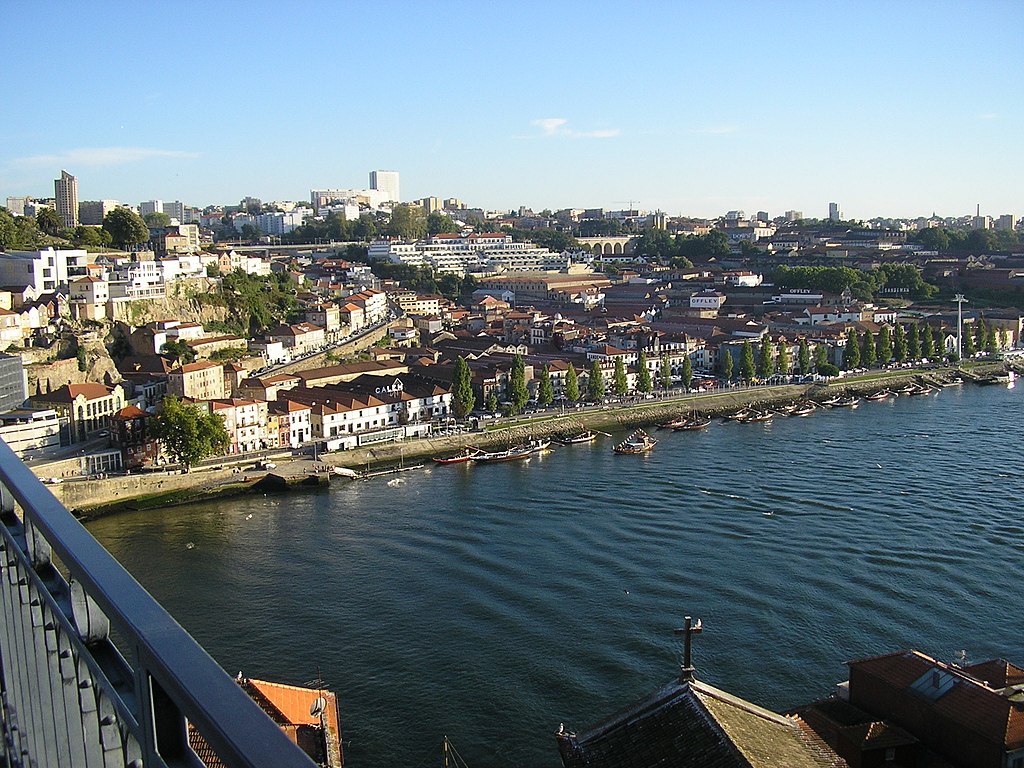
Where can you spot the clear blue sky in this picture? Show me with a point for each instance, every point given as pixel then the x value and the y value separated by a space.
pixel 889 108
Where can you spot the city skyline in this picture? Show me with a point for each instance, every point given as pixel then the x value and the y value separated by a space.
pixel 889 111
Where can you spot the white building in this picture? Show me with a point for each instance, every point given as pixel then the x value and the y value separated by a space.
pixel 91 212
pixel 66 198
pixel 45 270
pixel 35 431
pixel 279 223
pixel 834 213
pixel 386 182
pixel 458 254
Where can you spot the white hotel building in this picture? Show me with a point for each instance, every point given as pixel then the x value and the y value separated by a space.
pixel 457 254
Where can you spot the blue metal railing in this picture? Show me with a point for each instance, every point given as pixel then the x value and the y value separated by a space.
pixel 68 696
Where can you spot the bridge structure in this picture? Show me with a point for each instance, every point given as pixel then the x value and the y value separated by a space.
pixel 70 696
pixel 610 245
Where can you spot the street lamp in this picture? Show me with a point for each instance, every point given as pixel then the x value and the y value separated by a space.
pixel 959 299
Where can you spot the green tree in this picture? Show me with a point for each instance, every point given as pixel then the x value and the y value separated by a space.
pixel 126 228
pixel 969 349
pixel 899 344
pixel 188 433
pixel 408 222
pixel 820 355
pixel 748 369
pixel 980 333
pixel 643 374
pixel 49 222
pixel 8 230
pixel 157 219
pixel 492 403
pixel 441 223
pixel 518 394
pixel 88 237
pixel 250 232
pixel 765 358
pixel 620 383
pixel 933 239
pixel 595 382
pixel 884 346
pixel 828 370
pixel 927 341
pixel 463 398
pixel 665 373
pixel 545 392
pixel 913 343
pixel 991 344
pixel 725 365
pixel 868 353
pixel 804 357
pixel 851 353
pixel 572 385
pixel 782 363
pixel 686 373
pixel 179 351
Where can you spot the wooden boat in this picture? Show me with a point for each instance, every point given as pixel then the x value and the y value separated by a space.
pixel 461 458
pixel 845 402
pixel 804 409
pixel 638 442
pixel 536 446
pixel 582 437
pixel 691 425
pixel 906 389
pixel 883 394
pixel 756 416
pixel 831 400
pixel 740 415
pixel 675 423
pixel 919 390
pixel 512 454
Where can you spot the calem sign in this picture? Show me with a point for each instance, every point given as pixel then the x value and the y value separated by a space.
pixel 390 389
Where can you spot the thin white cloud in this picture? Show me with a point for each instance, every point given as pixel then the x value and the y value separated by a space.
pixel 987 116
pixel 96 157
pixel 716 130
pixel 559 126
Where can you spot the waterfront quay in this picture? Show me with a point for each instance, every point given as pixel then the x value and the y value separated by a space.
pixel 283 471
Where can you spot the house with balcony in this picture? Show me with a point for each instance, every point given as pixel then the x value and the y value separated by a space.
pixel 202 380
pixel 245 422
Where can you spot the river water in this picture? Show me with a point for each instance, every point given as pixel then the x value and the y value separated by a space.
pixel 491 603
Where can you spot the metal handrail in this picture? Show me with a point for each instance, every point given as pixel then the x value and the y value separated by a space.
pixel 159 649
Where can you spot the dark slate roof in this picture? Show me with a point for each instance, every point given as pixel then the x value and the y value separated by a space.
pixel 693 725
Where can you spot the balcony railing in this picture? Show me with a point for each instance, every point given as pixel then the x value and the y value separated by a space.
pixel 68 696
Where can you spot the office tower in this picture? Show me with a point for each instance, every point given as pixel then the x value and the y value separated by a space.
pixel 92 211
pixel 1006 222
pixel 386 182
pixel 834 214
pixel 794 215
pixel 151 206
pixel 66 194
pixel 176 210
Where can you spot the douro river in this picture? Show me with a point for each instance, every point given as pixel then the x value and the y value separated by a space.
pixel 491 603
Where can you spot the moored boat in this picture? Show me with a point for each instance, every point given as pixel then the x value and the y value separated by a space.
pixel 756 416
pixel 803 409
pixel 906 389
pixel 581 437
pixel 692 425
pixel 739 415
pixel 461 458
pixel 883 394
pixel 512 454
pixel 831 400
pixel 921 390
pixel 845 402
pixel 638 442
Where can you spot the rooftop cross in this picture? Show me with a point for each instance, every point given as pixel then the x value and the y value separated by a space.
pixel 690 629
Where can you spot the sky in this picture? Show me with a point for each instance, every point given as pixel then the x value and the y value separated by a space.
pixel 894 109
